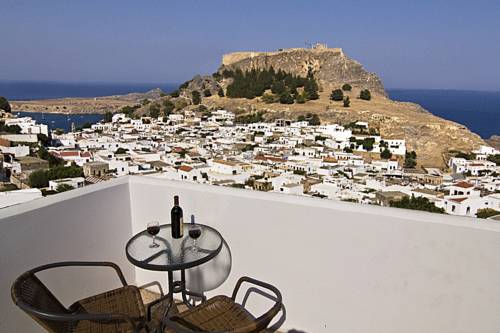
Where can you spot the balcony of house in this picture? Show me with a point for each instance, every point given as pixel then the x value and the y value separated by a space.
pixel 341 267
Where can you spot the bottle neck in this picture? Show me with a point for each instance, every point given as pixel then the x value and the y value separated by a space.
pixel 176 201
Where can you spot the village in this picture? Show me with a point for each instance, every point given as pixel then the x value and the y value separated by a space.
pixel 295 157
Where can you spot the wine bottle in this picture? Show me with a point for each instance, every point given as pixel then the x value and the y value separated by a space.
pixel 176 219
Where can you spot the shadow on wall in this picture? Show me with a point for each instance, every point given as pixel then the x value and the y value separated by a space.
pixel 212 274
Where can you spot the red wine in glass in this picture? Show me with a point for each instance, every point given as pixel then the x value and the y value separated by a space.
pixel 194 233
pixel 153 229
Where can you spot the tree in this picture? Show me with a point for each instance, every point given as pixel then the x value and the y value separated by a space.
pixel 314 120
pixel 347 102
pixel 410 159
pixel 346 87
pixel 175 93
pixel 286 98
pixel 43 139
pixel 365 95
pixel 168 107
pixel 494 158
pixel 415 203
pixel 368 144
pixel 108 116
pixel 120 151
pixel 207 93
pixel 311 89
pixel 45 155
pixel 64 187
pixel 196 97
pixel 4 104
pixel 38 179
pixel 13 129
pixel 386 154
pixel 154 111
pixel 337 95
pixel 220 92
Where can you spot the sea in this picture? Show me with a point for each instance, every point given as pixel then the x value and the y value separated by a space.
pixel 17 90
pixel 478 110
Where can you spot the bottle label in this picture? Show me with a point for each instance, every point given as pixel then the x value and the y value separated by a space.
pixel 181 227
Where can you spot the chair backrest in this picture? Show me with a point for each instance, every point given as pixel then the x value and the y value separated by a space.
pixel 34 298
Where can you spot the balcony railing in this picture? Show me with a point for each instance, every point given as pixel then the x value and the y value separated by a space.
pixel 341 267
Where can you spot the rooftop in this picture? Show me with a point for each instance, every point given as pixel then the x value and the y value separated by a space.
pixel 341 267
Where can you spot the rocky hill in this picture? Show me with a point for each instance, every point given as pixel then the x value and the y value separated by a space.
pixel 85 105
pixel 430 136
pixel 330 66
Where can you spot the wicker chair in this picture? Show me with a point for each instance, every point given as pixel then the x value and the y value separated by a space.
pixel 120 310
pixel 221 314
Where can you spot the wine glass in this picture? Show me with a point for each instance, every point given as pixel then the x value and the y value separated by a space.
pixel 153 229
pixel 194 233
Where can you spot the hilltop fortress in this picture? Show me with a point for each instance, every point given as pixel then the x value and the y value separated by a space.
pixel 331 66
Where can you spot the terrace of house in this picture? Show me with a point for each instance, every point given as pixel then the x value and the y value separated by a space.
pixel 340 266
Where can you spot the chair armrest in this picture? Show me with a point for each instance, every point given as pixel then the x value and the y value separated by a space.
pixel 250 280
pixel 150 284
pixel 264 320
pixel 84 263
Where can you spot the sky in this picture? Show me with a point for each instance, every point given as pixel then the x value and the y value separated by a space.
pixel 435 44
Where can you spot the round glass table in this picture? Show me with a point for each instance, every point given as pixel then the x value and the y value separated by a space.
pixel 174 255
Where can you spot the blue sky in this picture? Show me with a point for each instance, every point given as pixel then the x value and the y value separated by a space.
pixel 410 44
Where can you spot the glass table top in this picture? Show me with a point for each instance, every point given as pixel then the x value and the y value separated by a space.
pixel 173 254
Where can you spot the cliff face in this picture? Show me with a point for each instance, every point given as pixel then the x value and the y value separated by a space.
pixel 330 66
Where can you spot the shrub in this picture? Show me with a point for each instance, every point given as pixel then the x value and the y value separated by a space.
pixel 269 98
pixel 346 87
pixel 300 98
pixel 38 179
pixel 365 95
pixel 415 203
pixel 337 95
pixel 486 212
pixel 175 93
pixel 250 118
pixel 64 187
pixel 207 93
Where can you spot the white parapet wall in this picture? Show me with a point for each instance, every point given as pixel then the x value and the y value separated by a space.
pixel 341 267
pixel 345 267
pixel 92 223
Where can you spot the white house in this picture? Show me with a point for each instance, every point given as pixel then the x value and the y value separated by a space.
pixel 76 182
